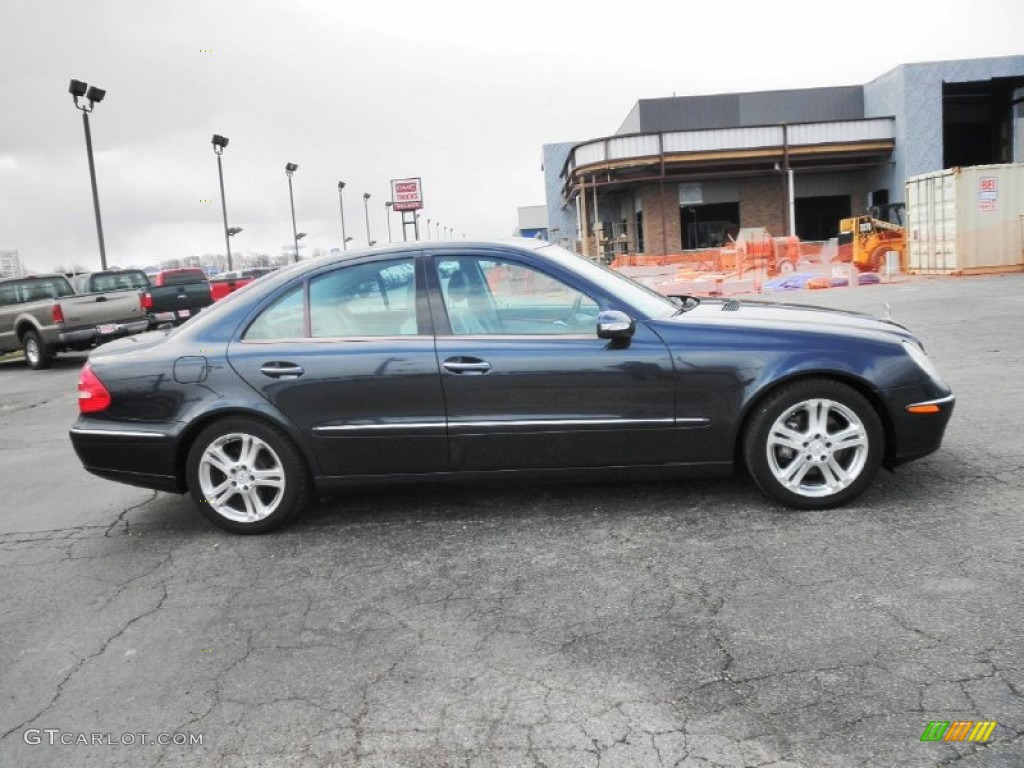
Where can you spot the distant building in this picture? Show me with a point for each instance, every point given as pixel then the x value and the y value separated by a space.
pixel 10 264
pixel 533 222
pixel 688 172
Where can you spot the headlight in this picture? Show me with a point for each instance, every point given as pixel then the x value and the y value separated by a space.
pixel 923 361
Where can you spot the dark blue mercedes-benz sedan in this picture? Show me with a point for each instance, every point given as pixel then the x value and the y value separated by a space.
pixel 456 360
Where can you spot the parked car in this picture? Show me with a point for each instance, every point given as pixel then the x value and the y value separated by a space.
pixel 229 282
pixel 504 360
pixel 175 295
pixel 42 315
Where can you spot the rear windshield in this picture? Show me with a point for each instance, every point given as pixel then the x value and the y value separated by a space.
pixel 117 281
pixel 34 289
pixel 184 276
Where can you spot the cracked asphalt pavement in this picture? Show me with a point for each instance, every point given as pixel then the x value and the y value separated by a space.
pixel 688 624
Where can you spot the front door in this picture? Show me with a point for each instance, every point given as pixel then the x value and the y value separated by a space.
pixel 527 382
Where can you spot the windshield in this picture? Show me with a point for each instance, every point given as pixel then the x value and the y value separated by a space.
pixel 651 303
pixel 184 277
pixel 118 281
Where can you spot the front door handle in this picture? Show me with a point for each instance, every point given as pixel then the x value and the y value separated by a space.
pixel 278 370
pixel 466 365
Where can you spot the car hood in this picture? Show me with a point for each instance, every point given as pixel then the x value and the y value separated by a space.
pixel 767 315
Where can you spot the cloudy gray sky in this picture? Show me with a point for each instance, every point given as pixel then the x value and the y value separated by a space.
pixel 462 94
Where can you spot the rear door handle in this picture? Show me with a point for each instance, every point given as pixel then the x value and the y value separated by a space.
pixel 466 365
pixel 278 370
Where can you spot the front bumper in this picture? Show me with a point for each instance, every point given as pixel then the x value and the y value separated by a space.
pixel 919 423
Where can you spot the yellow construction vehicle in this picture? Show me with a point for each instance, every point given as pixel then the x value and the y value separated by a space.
pixel 865 241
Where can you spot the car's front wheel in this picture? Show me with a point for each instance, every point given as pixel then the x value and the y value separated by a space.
pixel 246 476
pixel 814 444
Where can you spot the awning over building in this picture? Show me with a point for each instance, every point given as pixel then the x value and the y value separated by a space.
pixel 622 160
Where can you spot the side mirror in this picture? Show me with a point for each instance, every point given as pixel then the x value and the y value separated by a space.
pixel 612 324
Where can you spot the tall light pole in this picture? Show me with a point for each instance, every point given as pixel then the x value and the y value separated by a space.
pixel 231 231
pixel 438 225
pixel 366 209
pixel 219 144
pixel 416 226
pixel 289 169
pixel 387 215
pixel 428 227
pixel 94 96
pixel 341 204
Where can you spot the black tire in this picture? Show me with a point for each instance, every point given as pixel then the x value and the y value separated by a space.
pixel 38 356
pixel 248 503
pixel 797 462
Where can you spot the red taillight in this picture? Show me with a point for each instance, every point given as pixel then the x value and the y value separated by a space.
pixel 92 395
pixel 147 300
pixel 57 313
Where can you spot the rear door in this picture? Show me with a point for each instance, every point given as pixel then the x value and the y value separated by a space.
pixel 348 357
pixel 527 382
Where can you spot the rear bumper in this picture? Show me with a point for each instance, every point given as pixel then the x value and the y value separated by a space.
pixel 144 457
pixel 157 318
pixel 92 334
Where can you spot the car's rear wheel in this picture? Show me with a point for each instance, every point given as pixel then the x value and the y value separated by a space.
pixel 814 444
pixel 37 355
pixel 246 476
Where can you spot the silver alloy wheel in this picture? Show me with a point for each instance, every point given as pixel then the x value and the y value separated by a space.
pixel 32 350
pixel 241 477
pixel 817 448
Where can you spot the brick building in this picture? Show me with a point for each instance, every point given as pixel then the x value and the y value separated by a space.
pixel 688 172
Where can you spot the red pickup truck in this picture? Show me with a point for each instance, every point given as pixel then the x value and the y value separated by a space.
pixel 229 282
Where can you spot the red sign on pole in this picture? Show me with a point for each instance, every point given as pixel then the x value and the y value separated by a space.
pixel 407 194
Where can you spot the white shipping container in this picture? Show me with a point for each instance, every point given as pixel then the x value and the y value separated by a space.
pixel 965 220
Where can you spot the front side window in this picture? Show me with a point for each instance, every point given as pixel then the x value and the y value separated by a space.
pixel 375 299
pixel 493 296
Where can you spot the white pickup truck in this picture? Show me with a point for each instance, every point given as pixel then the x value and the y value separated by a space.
pixel 43 315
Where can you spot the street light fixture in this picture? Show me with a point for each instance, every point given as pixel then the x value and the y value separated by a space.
pixel 387 216
pixel 289 169
pixel 366 210
pixel 94 96
pixel 219 144
pixel 341 205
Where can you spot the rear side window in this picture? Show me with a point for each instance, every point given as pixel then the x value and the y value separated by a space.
pixel 37 289
pixel 8 295
pixel 284 319
pixel 375 299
